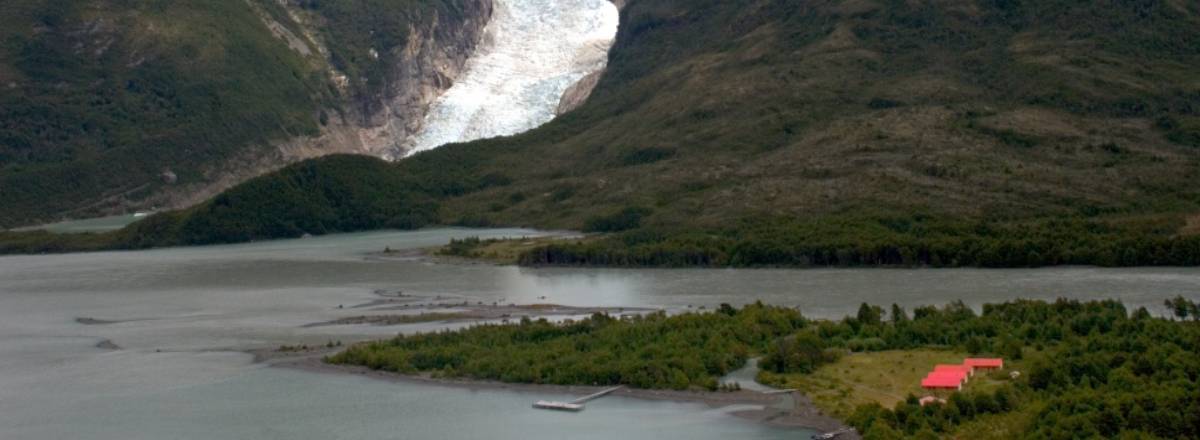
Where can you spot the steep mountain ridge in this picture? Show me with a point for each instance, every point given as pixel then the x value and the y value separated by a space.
pixel 114 106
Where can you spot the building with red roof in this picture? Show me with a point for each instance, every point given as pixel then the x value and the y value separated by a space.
pixel 952 377
pixel 942 382
pixel 961 376
pixel 984 363
pixel 969 371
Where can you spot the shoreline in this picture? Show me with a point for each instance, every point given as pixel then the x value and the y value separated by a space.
pixel 803 414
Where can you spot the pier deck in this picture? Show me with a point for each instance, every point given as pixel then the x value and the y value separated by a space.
pixel 574 405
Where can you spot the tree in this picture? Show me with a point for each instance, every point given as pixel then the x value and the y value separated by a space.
pixel 974 345
pixel 1182 307
pixel 882 431
pixel 898 314
pixel 869 314
pixel 801 353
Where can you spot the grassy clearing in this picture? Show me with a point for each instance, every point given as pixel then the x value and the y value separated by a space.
pixel 885 377
pixel 500 251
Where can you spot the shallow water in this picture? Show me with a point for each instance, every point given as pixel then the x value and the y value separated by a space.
pixel 178 316
pixel 285 404
pixel 181 314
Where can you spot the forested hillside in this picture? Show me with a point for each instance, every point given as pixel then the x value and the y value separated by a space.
pixel 861 132
pixel 104 105
pixel 754 132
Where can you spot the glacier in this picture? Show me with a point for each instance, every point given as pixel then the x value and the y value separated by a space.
pixel 532 52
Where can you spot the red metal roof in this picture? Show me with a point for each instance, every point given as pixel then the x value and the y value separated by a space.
pixel 941 381
pixel 961 376
pixel 984 362
pixel 949 367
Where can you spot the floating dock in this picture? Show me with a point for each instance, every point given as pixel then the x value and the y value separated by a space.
pixel 557 406
pixel 574 405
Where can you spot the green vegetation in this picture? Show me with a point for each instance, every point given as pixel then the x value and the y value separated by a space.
pixel 343 193
pixel 337 193
pixel 1087 369
pixel 881 377
pixel 757 133
pixel 626 219
pixel 499 251
pixel 894 241
pixel 654 351
pixel 99 99
pixel 755 113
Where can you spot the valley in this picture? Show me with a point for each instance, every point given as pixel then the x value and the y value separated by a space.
pixel 762 219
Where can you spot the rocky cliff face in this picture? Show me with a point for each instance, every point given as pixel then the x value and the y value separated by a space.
pixel 428 65
pixel 579 92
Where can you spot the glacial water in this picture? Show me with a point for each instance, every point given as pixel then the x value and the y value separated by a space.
pixel 532 52
pixel 161 357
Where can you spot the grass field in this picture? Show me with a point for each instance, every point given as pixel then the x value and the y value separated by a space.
pixel 885 377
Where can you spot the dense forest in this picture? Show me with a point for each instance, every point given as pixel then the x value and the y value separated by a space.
pixel 1093 369
pixel 888 241
pixel 338 193
pixel 652 351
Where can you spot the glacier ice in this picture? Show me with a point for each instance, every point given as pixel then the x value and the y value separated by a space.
pixel 532 52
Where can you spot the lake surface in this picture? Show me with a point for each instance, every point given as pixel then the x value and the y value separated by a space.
pixel 177 320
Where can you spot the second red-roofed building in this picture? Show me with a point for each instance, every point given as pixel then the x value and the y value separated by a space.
pixel 942 382
pixel 969 371
pixel 984 363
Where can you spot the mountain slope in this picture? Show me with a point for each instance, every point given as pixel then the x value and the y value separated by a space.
pixel 995 132
pixel 878 125
pixel 715 111
pixel 99 101
pixel 107 106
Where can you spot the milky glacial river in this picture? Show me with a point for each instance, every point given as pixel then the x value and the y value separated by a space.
pixel 165 360
pixel 532 51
